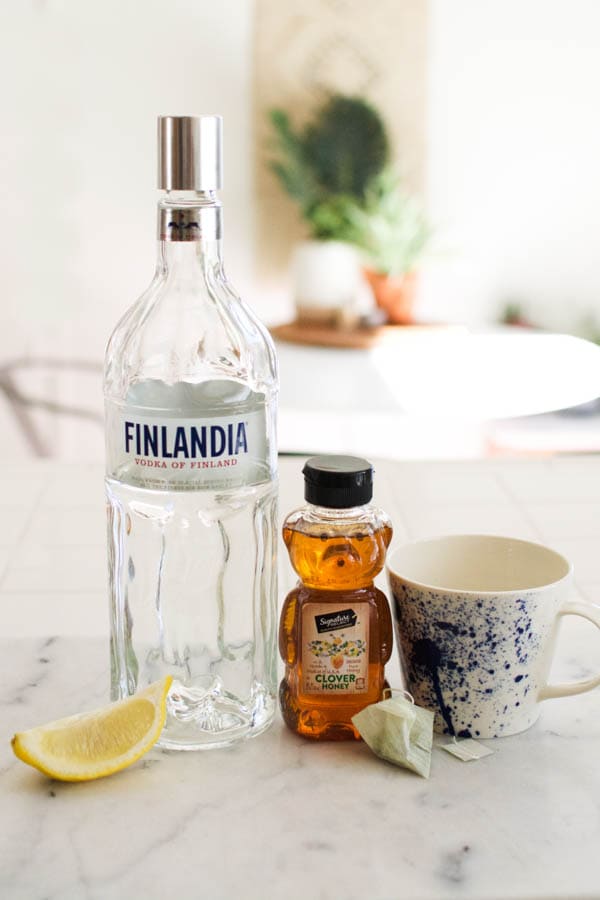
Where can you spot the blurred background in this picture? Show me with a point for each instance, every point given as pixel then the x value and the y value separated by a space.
pixel 490 166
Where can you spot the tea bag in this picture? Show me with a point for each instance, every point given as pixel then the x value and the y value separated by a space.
pixel 398 731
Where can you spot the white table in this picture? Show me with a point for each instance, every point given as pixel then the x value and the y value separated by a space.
pixel 428 394
pixel 279 817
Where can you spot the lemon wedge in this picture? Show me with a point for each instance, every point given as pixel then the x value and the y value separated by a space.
pixel 94 744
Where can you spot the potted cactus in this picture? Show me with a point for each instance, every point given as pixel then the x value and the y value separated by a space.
pixel 327 168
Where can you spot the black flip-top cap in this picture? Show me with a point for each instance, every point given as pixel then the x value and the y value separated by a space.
pixel 338 482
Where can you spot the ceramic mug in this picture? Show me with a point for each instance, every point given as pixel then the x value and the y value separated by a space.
pixel 476 620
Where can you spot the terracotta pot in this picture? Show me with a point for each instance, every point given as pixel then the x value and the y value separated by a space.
pixel 394 294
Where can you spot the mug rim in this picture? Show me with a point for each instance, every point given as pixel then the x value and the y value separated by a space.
pixel 478 593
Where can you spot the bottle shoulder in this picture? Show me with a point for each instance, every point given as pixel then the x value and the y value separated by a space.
pixel 189 334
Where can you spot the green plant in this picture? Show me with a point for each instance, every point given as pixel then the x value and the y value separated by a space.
pixel 346 145
pixel 589 328
pixel 389 226
pixel 328 166
pixel 514 314
pixel 337 170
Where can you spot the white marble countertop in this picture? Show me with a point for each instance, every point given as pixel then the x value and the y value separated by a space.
pixel 279 817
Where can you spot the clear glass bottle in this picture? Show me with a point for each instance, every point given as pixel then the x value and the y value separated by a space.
pixel 191 481
pixel 335 633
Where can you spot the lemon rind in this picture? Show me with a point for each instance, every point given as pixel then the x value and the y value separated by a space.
pixel 27 744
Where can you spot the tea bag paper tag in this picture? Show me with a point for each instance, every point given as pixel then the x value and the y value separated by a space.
pixel 399 732
pixel 467 750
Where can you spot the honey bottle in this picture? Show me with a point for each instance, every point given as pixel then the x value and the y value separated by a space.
pixel 335 633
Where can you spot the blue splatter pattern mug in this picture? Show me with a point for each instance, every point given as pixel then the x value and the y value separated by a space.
pixel 477 618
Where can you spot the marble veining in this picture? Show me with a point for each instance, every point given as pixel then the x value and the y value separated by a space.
pixel 278 817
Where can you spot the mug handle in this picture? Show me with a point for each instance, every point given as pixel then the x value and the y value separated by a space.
pixel 591 612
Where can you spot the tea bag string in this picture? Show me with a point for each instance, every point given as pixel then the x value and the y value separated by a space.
pixel 391 690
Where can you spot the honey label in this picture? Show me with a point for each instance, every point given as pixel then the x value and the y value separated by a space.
pixel 335 649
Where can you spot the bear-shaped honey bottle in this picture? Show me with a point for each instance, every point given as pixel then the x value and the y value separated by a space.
pixel 335 633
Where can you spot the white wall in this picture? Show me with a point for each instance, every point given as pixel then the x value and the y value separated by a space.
pixel 514 141
pixel 83 82
pixel 514 158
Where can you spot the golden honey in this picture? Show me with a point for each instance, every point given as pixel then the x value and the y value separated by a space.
pixel 335 633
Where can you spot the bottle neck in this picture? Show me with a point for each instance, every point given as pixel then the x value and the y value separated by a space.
pixel 189 231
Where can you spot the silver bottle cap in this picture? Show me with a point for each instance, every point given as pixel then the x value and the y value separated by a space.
pixel 189 153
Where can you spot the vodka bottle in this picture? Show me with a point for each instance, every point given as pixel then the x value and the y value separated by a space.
pixel 190 391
